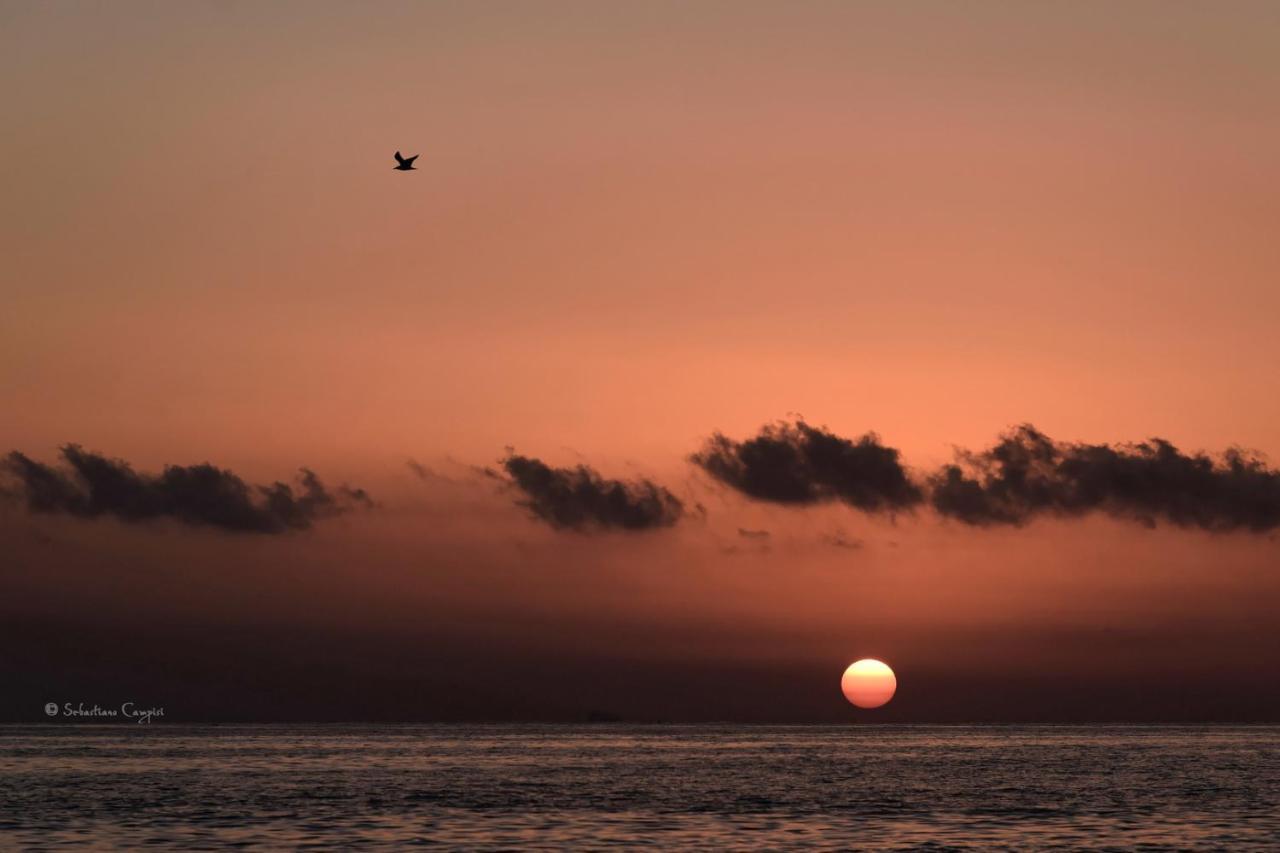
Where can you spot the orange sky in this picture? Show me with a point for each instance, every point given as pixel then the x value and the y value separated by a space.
pixel 631 226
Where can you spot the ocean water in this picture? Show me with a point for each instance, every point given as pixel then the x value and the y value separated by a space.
pixel 669 787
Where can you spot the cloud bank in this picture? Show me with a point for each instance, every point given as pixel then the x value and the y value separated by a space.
pixel 797 464
pixel 580 499
pixel 1024 475
pixel 92 485
pixel 1027 474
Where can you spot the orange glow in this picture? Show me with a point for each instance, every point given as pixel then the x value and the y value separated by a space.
pixel 868 683
pixel 632 226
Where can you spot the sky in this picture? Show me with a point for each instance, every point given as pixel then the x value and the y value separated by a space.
pixel 633 228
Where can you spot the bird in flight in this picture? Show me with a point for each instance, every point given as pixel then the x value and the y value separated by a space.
pixel 405 163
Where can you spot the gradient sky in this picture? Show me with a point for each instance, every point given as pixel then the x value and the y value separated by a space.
pixel 631 226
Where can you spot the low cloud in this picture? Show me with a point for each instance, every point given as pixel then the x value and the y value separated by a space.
pixel 580 499
pixel 90 485
pixel 1026 474
pixel 798 464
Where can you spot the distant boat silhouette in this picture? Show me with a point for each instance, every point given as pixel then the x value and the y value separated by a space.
pixel 406 163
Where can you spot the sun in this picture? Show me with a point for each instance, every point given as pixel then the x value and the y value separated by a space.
pixel 868 683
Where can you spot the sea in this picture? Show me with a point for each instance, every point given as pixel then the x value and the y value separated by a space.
pixel 502 787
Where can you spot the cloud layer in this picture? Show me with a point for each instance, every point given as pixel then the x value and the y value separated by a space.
pixel 1023 476
pixel 795 463
pixel 92 485
pixel 580 499
pixel 1026 474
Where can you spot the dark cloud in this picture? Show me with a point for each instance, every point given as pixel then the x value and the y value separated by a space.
pixel 580 499
pixel 92 485
pixel 1027 474
pixel 794 463
pixel 753 534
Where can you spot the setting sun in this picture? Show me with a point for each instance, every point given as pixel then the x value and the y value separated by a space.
pixel 868 683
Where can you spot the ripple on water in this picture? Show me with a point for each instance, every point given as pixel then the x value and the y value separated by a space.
pixel 674 786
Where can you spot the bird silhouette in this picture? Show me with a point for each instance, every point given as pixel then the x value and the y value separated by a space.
pixel 405 163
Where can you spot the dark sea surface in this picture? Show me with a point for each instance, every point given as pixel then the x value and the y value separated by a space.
pixel 670 787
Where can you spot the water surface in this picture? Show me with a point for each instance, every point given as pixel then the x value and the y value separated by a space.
pixel 488 787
